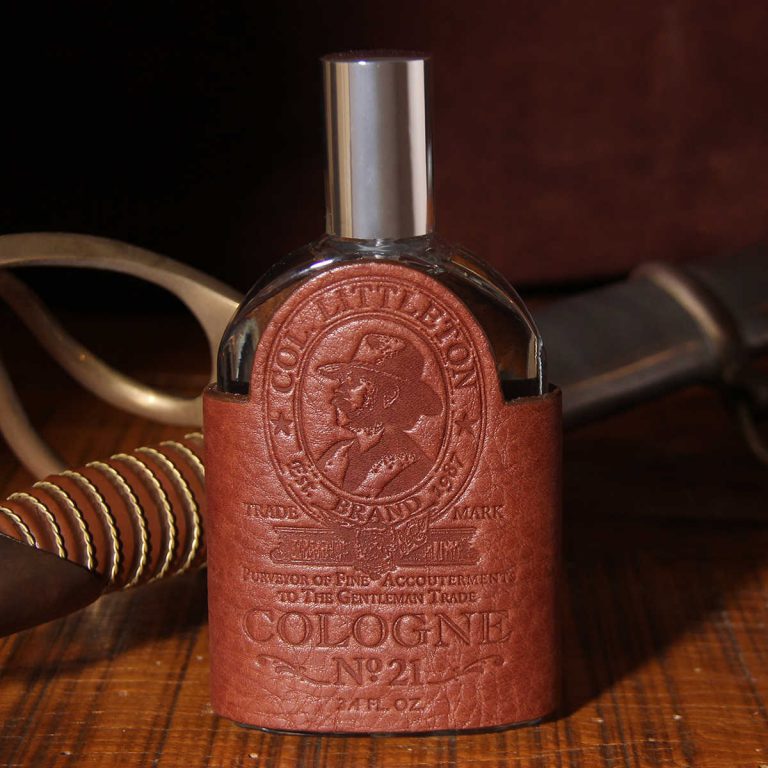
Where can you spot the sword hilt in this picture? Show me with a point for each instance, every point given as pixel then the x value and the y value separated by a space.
pixel 130 519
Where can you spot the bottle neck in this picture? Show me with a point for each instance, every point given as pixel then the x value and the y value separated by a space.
pixel 383 247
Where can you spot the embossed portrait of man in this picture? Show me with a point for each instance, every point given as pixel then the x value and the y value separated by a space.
pixel 379 395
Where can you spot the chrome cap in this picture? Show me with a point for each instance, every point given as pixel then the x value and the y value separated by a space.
pixel 378 143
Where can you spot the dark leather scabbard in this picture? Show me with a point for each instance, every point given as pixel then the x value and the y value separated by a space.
pixel 666 327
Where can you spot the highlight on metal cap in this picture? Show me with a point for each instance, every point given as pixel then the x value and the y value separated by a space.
pixel 378 144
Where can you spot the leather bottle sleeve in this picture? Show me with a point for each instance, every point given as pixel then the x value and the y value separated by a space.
pixel 383 527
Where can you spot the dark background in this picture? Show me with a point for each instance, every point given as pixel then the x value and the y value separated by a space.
pixel 573 139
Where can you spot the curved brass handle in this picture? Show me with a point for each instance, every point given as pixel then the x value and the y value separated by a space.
pixel 210 301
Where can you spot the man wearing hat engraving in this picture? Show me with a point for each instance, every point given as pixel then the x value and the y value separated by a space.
pixel 379 395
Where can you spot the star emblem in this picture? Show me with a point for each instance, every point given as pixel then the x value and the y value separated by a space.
pixel 464 424
pixel 282 424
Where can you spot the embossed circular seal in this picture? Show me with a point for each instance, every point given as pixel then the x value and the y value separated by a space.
pixel 373 403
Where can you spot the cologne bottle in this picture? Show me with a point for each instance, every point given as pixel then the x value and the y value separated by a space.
pixel 382 459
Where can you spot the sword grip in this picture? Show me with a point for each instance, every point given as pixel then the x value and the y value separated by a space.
pixel 133 518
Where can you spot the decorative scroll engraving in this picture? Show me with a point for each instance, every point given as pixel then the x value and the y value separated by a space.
pixel 474 666
pixel 374 551
pixel 283 667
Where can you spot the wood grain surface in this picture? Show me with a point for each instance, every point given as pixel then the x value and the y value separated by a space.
pixel 665 621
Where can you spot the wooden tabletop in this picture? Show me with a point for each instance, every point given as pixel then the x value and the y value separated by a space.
pixel 665 622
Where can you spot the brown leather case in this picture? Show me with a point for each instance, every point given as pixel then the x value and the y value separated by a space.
pixel 383 531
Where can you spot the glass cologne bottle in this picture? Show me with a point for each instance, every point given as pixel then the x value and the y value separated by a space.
pixel 382 459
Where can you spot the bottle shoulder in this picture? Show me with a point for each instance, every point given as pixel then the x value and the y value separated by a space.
pixel 496 306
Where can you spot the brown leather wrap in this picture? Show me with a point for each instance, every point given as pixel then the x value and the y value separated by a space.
pixel 414 593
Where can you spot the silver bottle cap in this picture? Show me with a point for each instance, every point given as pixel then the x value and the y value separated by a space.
pixel 379 154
